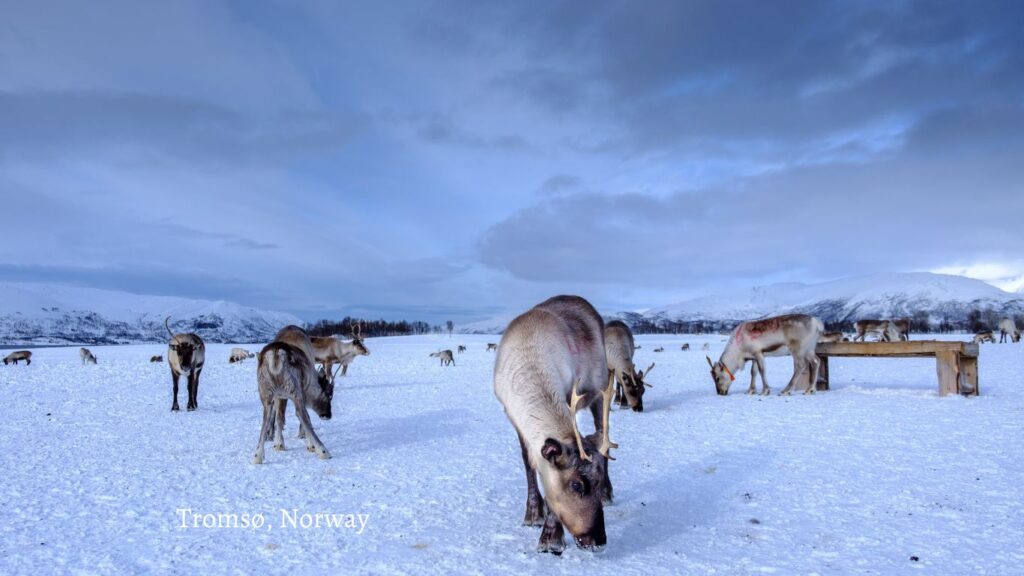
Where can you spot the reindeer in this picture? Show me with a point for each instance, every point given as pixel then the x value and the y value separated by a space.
pixel 705 347
pixel 1007 327
pixel 629 384
pixel 659 349
pixel 87 356
pixel 685 347
pixel 445 356
pixel 831 337
pixel 550 364
pixel 153 359
pixel 330 351
pixel 286 371
pixel 752 340
pixel 885 330
pixel 239 354
pixel 986 336
pixel 902 326
pixel 491 346
pixel 186 355
pixel 19 355
pixel 461 349
pixel 637 347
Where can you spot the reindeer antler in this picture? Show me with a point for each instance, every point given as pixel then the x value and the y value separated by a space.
pixel 359 329
pixel 573 406
pixel 647 373
pixel 606 443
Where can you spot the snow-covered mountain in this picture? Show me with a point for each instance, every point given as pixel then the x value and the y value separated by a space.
pixel 53 314
pixel 943 301
pixel 940 297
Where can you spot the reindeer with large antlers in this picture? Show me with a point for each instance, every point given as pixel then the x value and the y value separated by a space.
pixel 330 351
pixel 753 340
pixel 629 384
pixel 550 364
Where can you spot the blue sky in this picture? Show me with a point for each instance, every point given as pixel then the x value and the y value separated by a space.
pixel 420 159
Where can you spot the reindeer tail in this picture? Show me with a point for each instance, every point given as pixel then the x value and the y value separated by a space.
pixel 275 360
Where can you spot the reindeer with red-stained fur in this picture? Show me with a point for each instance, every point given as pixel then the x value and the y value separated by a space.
pixel 753 340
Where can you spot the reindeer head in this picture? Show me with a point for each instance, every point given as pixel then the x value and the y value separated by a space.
pixel 321 403
pixel 573 488
pixel 185 351
pixel 357 340
pixel 722 376
pixel 634 387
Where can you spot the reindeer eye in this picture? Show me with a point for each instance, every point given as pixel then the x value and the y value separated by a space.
pixel 577 486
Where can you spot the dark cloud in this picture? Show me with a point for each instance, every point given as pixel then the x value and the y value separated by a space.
pixel 313 156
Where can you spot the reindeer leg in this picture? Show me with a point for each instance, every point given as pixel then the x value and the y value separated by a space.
pixel 812 364
pixel 798 369
pixel 313 443
pixel 279 406
pixel 174 379
pixel 765 390
pixel 753 378
pixel 268 416
pixel 597 411
pixel 534 501
pixel 344 369
pixel 193 386
pixel 606 409
pixel 552 536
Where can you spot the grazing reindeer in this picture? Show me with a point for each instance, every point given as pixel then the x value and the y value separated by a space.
pixel 885 330
pixel 752 340
pixel 18 355
pixel 87 356
pixel 330 351
pixel 186 354
pixel 659 349
pixel 986 336
pixel 445 356
pixel 239 354
pixel 153 359
pixel 831 337
pixel 491 346
pixel 705 347
pixel 637 347
pixel 629 384
pixel 685 347
pixel 285 371
pixel 902 326
pixel 550 364
pixel 1007 327
pixel 461 349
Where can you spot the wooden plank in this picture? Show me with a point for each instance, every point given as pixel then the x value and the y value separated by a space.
pixel 911 349
pixel 946 365
pixel 969 375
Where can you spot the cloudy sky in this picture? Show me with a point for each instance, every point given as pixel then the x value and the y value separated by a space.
pixel 429 159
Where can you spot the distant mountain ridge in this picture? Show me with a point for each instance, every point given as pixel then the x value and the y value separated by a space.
pixel 936 302
pixel 37 313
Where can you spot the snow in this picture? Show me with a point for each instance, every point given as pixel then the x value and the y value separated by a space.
pixel 855 480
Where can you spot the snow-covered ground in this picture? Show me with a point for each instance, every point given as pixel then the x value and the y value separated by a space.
pixel 95 469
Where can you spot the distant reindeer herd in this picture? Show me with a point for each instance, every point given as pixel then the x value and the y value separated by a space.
pixel 552 361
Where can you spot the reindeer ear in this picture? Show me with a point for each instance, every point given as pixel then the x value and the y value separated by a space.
pixel 551 450
pixel 710 363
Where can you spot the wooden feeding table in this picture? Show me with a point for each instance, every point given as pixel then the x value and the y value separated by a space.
pixel 955 362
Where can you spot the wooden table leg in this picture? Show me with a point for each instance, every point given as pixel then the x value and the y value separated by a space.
pixel 969 375
pixel 948 372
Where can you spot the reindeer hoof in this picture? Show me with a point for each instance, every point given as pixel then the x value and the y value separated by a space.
pixel 551 546
pixel 175 408
pixel 279 447
pixel 310 449
pixel 325 455
pixel 257 459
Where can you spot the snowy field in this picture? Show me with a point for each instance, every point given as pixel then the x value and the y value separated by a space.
pixel 96 470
